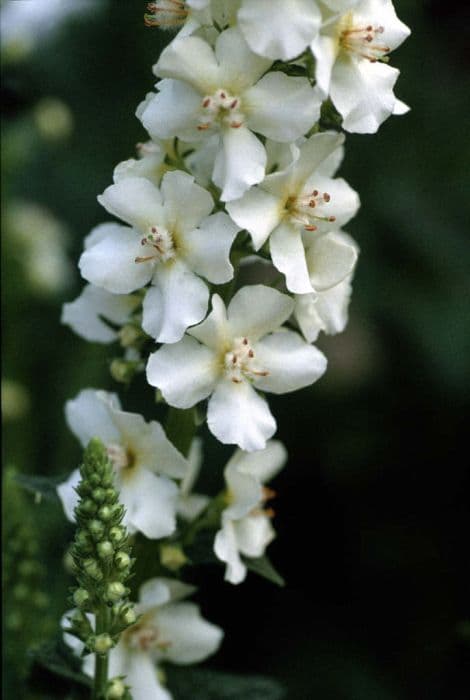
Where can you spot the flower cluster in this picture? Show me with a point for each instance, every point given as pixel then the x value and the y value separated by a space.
pixel 240 168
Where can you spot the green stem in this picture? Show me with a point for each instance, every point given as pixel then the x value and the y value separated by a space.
pixel 101 660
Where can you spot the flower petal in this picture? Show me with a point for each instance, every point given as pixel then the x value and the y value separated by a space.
pixel 291 362
pixel 89 416
pixel 330 260
pixel 325 50
pixel 226 549
pixel 185 372
pixel 288 256
pixel 135 200
pixel 190 638
pixel 238 415
pixel 279 37
pixel 239 66
pixel 244 491
pixel 256 310
pixel 362 92
pixel 253 534
pixel 263 464
pixel 326 311
pixel 147 441
pixel 192 60
pixel 150 503
pixel 173 111
pixel 85 314
pixel 214 331
pixel 178 187
pixel 177 300
pixel 344 201
pixel 259 212
pixel 68 495
pixel 111 262
pixel 207 248
pixel 239 164
pixel 282 107
pixel 159 591
pixel 141 676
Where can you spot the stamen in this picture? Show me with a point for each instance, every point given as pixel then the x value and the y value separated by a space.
pixel 240 362
pixel 359 40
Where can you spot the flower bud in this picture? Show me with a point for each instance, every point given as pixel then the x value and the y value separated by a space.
pixel 127 616
pixel 115 591
pixel 81 597
pixel 117 534
pixel 123 371
pixel 98 495
pixel 105 550
pixel 106 513
pixel 88 507
pixel 172 556
pixel 96 528
pixel 122 560
pixel 83 540
pixel 93 570
pixel 116 689
pixel 100 644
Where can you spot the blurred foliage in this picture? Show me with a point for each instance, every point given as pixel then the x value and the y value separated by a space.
pixel 373 514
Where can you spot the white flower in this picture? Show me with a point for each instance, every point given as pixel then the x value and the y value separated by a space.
pixel 191 505
pixel 221 90
pixel 150 163
pixel 279 29
pixel 145 462
pixel 232 353
pixel 190 15
pixel 351 53
pixel 169 245
pixel 168 630
pixel 88 313
pixel 330 261
pixel 246 524
pixel 293 207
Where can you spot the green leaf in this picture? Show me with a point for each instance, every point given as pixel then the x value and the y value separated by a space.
pixel 204 684
pixel 58 659
pixel 45 486
pixel 263 567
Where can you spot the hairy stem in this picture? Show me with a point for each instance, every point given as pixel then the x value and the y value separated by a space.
pixel 101 660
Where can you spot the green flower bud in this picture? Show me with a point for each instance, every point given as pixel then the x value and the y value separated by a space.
pixel 83 540
pixel 115 591
pixel 106 513
pixel 92 568
pixel 172 556
pixel 123 371
pixel 105 550
pixel 96 528
pixel 95 479
pixel 98 495
pixel 80 625
pixel 111 495
pixel 117 534
pixel 81 597
pixel 122 560
pixel 88 507
pixel 100 644
pixel 127 616
pixel 116 689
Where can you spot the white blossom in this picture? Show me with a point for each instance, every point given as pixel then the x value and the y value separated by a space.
pixel 224 91
pixel 168 630
pixel 246 523
pixel 169 245
pixel 295 207
pixel 234 352
pixel 149 164
pixel 189 16
pixel 87 315
pixel 351 55
pixel 279 29
pixel 145 462
pixel 326 309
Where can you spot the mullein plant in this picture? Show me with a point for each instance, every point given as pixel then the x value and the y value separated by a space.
pixel 246 132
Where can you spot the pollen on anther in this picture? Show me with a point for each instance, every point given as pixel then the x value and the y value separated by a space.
pixel 206 102
pixel 326 197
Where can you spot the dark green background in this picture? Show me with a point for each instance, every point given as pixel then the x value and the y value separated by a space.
pixel 372 511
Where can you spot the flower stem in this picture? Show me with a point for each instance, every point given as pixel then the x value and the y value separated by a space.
pixel 101 660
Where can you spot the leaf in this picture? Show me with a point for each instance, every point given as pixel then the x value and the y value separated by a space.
pixel 45 486
pixel 263 567
pixel 204 684
pixel 57 658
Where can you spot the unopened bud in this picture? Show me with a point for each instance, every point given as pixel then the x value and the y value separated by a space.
pixel 127 616
pixel 117 534
pixel 98 495
pixel 115 591
pixel 172 556
pixel 96 528
pixel 93 570
pixel 123 371
pixel 81 597
pixel 105 550
pixel 128 335
pixel 88 507
pixel 116 689
pixel 106 513
pixel 122 560
pixel 100 644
